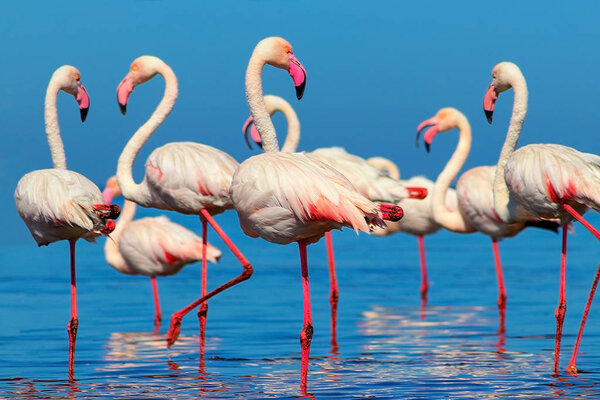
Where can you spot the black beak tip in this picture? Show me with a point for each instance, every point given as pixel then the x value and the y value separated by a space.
pixel 427 147
pixel 123 108
pixel 300 90
pixel 247 141
pixel 83 112
pixel 489 115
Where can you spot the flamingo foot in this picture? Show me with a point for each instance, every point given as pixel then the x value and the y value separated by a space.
pixel 572 369
pixel 424 289
pixel 390 212
pixel 415 192
pixel 174 329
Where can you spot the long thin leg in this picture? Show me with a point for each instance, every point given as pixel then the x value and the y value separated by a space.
pixel 204 306
pixel 307 329
pixel 562 300
pixel 572 367
pixel 175 326
pixel 73 322
pixel 333 294
pixel 424 282
pixel 157 313
pixel 501 289
pixel 579 218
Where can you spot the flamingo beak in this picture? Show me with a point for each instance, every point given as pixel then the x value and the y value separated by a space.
pixel 107 194
pixel 432 124
pixel 123 91
pixel 298 74
pixel 245 130
pixel 83 100
pixel 248 125
pixel 489 100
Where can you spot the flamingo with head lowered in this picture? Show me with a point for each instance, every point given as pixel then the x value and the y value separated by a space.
pixel 187 177
pixel 367 179
pixel 474 193
pixel 549 181
pixel 59 204
pixel 151 246
pixel 291 197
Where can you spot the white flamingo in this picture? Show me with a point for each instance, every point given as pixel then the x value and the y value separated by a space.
pixel 187 177
pixel 474 192
pixel 151 246
pixel 368 180
pixel 58 204
pixel 547 180
pixel 290 197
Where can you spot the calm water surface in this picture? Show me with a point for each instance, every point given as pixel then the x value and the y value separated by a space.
pixel 388 347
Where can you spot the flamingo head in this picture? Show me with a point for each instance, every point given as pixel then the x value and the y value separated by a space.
pixel 278 52
pixel 142 69
pixel 445 119
pixel 69 79
pixel 501 81
pixel 111 190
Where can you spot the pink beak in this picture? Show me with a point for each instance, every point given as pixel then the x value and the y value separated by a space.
pixel 298 74
pixel 107 193
pixel 430 133
pixel 253 133
pixel 489 100
pixel 83 100
pixel 123 91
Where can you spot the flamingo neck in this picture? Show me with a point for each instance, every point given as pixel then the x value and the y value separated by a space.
pixel 111 246
pixel 254 95
pixel 452 220
pixel 140 193
pixel 57 149
pixel 519 112
pixel 385 164
pixel 293 123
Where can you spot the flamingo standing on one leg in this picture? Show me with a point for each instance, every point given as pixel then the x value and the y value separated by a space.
pixel 368 180
pixel 151 246
pixel 291 197
pixel 474 192
pixel 547 180
pixel 186 177
pixel 418 219
pixel 58 204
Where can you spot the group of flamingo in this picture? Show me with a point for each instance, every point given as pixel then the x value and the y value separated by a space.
pixel 284 196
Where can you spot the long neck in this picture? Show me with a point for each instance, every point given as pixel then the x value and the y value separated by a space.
pixel 111 246
pixel 519 112
pixel 254 95
pixel 131 190
pixel 293 132
pixel 452 220
pixel 52 129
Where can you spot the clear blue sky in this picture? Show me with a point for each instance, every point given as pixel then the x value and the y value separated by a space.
pixel 375 70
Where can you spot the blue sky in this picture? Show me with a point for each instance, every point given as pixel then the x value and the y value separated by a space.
pixel 375 70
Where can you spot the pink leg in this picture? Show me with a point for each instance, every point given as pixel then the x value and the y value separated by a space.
pixel 579 218
pixel 333 294
pixel 175 326
pixel 74 322
pixel 424 282
pixel 307 329
pixel 562 301
pixel 572 367
pixel 204 306
pixel 157 313
pixel 501 289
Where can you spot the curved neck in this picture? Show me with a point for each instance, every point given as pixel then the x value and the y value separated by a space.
pixel 55 142
pixel 385 164
pixel 519 112
pixel 452 220
pixel 111 246
pixel 293 132
pixel 131 190
pixel 254 95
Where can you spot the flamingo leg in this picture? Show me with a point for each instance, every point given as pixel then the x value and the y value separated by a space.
pixel 175 325
pixel 307 329
pixel 74 321
pixel 334 292
pixel 572 367
pixel 501 289
pixel 204 306
pixel 157 313
pixel 561 309
pixel 583 221
pixel 424 282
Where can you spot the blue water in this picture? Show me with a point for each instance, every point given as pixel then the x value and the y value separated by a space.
pixel 386 349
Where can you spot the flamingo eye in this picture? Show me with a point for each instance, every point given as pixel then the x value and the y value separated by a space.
pixel 493 75
pixel 134 67
pixel 77 77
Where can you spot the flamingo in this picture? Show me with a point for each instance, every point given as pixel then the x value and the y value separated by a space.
pixel 290 197
pixel 151 246
pixel 187 177
pixel 545 180
pixel 59 204
pixel 474 193
pixel 418 220
pixel 368 180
